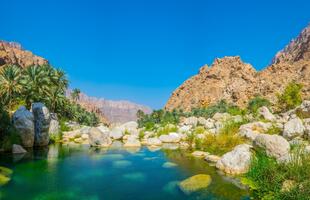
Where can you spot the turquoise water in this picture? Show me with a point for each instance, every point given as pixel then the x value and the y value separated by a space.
pixel 77 172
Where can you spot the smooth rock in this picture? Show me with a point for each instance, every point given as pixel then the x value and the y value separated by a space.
pixel 153 142
pixel 116 133
pixel 294 127
pixel 17 149
pixel 42 120
pixel 251 130
pixel 275 145
pixel 23 121
pixel 98 138
pixel 264 111
pixel 171 138
pixel 132 142
pixel 212 158
pixel 236 161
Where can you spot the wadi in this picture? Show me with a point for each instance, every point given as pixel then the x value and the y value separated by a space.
pixel 229 132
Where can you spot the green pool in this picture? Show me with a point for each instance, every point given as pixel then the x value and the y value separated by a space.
pixel 77 172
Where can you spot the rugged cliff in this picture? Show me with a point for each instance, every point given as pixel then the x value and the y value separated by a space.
pixel 235 81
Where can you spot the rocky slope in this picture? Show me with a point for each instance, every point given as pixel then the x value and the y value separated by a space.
pixel 12 53
pixel 231 79
pixel 113 111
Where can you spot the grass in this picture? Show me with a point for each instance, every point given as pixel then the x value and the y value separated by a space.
pixel 266 176
pixel 274 130
pixel 223 142
pixel 169 128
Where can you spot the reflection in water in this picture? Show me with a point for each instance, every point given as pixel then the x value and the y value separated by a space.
pixel 80 172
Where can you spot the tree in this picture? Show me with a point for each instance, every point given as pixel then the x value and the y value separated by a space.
pixel 75 95
pixel 10 84
pixel 36 83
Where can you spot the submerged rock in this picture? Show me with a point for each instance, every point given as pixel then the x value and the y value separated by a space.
pixel 23 122
pixel 236 161
pixel 200 154
pixel 42 120
pixel 169 165
pixel 195 183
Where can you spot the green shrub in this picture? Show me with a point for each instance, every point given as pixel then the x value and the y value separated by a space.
pixel 291 97
pixel 141 134
pixel 169 128
pixel 257 102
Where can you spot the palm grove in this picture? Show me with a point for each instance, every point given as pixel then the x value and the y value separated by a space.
pixel 38 84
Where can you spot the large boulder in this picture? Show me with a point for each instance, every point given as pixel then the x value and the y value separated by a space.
pixel 193 121
pixel 170 138
pixel 264 111
pixel 23 122
pixel 54 124
pixel 274 145
pixel 116 133
pixel 221 117
pixel 42 121
pixel 236 161
pixel 130 127
pixel 251 130
pixel 98 138
pixel 207 123
pixel 293 128
pixel 132 141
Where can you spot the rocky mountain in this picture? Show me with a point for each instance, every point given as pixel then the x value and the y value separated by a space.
pixel 13 53
pixel 231 79
pixel 113 111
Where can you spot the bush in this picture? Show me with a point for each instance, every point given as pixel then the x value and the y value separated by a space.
pixel 169 128
pixel 291 97
pixel 274 130
pixel 257 102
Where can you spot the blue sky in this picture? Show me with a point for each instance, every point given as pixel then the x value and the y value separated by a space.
pixel 141 50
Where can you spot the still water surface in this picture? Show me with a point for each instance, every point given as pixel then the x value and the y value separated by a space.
pixel 77 172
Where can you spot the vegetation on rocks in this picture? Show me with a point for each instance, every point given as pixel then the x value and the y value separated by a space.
pixel 291 96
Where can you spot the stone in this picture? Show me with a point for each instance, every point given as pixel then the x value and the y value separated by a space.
pixel 153 142
pixel 130 127
pixel 221 117
pixel 236 161
pixel 264 111
pixel 54 125
pixel 288 185
pixel 185 128
pixel 207 123
pixel 193 121
pixel 132 142
pixel 103 129
pixel 98 138
pixel 169 165
pixel 23 122
pixel 294 127
pixel 170 138
pixel 17 149
pixel 274 145
pixel 200 154
pixel 195 183
pixel 116 133
pixel 251 130
pixel 84 136
pixel 212 158
pixel 42 120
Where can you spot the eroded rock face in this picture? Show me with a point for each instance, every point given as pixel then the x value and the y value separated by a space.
pixel 12 53
pixel 42 121
pixel 23 122
pixel 235 81
pixel 98 138
pixel 17 149
pixel 293 128
pixel 54 124
pixel 274 145
pixel 236 161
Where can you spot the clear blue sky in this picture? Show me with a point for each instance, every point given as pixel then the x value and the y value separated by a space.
pixel 141 50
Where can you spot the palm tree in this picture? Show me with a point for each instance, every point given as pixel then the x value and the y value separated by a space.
pixel 75 95
pixel 59 84
pixel 36 83
pixel 10 84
